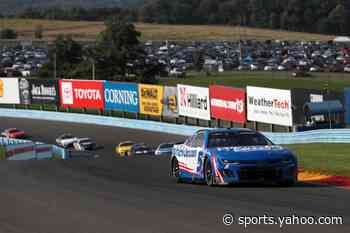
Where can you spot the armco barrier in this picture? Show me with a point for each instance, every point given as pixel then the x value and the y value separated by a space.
pixel 317 136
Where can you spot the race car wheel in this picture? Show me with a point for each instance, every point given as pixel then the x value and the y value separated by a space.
pixel 208 172
pixel 175 170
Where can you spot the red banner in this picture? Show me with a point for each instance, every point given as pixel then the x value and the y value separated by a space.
pixel 81 94
pixel 227 103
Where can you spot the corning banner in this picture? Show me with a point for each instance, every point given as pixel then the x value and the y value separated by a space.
pixel 267 105
pixel 9 91
pixel 170 107
pixel 193 101
pixel 81 94
pixel 227 103
pixel 151 99
pixel 38 91
pixel 121 96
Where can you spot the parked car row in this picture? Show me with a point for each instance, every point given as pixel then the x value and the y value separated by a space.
pixel 178 57
pixel 21 61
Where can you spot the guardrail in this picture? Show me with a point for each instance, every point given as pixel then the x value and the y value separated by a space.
pixel 317 136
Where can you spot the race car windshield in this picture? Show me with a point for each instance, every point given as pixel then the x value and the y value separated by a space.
pixel 232 139
pixel 127 144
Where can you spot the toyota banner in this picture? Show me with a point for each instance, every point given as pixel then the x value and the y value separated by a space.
pixel 121 96
pixel 227 103
pixel 82 94
pixel 193 101
pixel 267 105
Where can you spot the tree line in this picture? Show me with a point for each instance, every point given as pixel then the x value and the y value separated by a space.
pixel 116 55
pixel 321 16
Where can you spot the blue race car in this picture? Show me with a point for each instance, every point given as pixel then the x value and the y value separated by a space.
pixel 227 156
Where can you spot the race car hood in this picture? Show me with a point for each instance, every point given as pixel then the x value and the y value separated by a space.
pixel 251 153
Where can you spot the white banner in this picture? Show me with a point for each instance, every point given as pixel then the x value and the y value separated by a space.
pixel 267 105
pixel 193 101
pixel 9 91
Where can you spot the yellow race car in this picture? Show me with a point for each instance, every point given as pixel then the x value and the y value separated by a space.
pixel 123 148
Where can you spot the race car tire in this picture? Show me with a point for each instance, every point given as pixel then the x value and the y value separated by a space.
pixel 289 183
pixel 208 173
pixel 175 170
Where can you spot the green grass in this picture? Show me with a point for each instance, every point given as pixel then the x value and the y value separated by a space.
pixel 329 159
pixel 2 153
pixel 283 80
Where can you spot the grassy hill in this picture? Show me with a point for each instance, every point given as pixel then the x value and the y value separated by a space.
pixel 88 30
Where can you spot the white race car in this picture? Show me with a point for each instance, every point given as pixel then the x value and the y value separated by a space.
pixel 82 144
pixel 66 140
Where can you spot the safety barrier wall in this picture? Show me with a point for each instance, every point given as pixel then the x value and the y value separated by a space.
pixel 317 136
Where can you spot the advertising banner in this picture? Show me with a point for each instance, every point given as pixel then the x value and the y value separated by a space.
pixel 227 103
pixel 9 91
pixel 194 101
pixel 81 94
pixel 267 105
pixel 38 91
pixel 170 107
pixel 347 105
pixel 151 99
pixel 121 96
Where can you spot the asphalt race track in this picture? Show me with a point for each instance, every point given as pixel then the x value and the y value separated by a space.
pixel 136 195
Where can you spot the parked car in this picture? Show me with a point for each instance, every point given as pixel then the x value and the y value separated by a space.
pixel 83 144
pixel 123 148
pixel 66 140
pixel 14 133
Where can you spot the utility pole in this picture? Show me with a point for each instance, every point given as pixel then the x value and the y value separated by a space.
pixel 93 70
pixel 55 65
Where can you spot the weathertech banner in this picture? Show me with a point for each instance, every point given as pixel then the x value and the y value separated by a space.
pixel 267 105
pixel 227 103
pixel 151 99
pixel 9 91
pixel 81 94
pixel 170 107
pixel 193 101
pixel 121 96
pixel 38 91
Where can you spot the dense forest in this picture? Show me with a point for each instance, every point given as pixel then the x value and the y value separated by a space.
pixel 322 16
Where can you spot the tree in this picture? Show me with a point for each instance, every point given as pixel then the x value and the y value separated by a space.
pixel 8 33
pixel 38 32
pixel 66 55
pixel 198 59
pixel 117 46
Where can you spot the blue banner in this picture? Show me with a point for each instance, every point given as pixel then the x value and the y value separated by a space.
pixel 121 96
pixel 347 105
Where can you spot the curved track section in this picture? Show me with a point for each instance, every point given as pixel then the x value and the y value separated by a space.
pixel 134 195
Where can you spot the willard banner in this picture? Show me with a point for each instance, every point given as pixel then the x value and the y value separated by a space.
pixel 193 101
pixel 9 91
pixel 170 108
pixel 272 106
pixel 38 91
pixel 227 103
pixel 121 96
pixel 151 99
pixel 81 94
